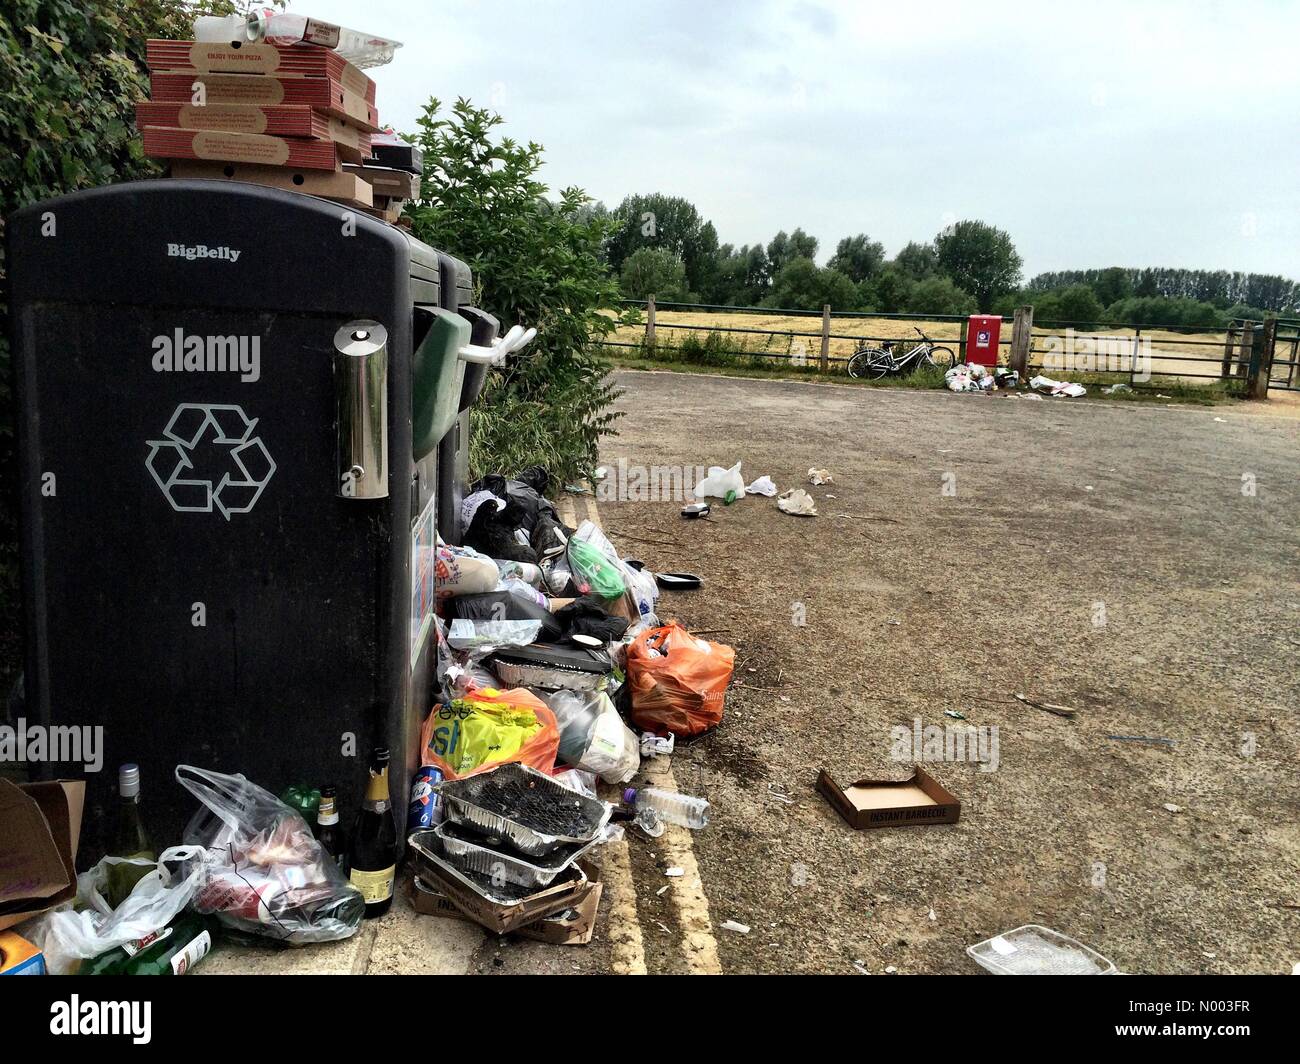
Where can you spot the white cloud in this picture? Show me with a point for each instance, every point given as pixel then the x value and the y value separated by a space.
pixel 1110 132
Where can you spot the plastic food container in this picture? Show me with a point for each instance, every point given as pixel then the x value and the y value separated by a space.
pixel 526 808
pixel 1037 950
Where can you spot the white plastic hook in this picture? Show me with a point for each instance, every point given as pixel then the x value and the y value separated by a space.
pixel 502 347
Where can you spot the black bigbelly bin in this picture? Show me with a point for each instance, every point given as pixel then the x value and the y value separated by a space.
pixel 229 401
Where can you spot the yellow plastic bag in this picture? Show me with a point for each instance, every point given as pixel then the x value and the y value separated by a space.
pixel 487 728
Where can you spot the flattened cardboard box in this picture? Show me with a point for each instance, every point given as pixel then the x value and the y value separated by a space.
pixel 866 804
pixel 566 889
pixel 212 144
pixel 246 57
pixel 258 90
pixel 344 187
pixel 277 120
pixel 40 824
pixel 569 927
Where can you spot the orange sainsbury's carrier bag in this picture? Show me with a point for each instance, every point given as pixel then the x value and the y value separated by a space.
pixel 678 680
pixel 485 728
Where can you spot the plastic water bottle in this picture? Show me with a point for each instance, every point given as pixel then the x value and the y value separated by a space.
pixel 659 805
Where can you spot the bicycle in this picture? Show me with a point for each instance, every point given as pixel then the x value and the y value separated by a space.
pixel 872 363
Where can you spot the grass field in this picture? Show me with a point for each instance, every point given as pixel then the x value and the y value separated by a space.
pixel 797 347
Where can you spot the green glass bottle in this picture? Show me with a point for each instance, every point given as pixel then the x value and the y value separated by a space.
pixel 172 951
pixel 373 859
pixel 130 840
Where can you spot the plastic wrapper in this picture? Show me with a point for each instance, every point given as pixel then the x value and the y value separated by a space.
pixel 462 571
pixel 595 571
pixel 643 592
pixel 262 870
pixel 484 637
pixel 720 483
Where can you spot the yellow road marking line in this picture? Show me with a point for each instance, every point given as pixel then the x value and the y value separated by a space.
pixel 676 847
pixel 627 948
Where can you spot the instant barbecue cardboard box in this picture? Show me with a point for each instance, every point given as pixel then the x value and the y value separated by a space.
pixel 263 90
pixel 277 120
pixel 573 926
pixel 246 57
pixel 891 803
pixel 343 187
pixel 40 824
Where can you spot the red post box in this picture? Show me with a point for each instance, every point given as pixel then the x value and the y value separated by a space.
pixel 982 335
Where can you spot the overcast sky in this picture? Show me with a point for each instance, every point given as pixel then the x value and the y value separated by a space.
pixel 1097 133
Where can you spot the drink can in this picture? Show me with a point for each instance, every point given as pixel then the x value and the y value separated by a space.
pixel 426 805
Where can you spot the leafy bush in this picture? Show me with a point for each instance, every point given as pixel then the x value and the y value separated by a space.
pixel 803 285
pixel 938 295
pixel 1077 305
pixel 535 263
pixel 655 272
pixel 1158 310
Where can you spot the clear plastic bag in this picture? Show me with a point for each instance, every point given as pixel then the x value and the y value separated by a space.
pixel 67 937
pixel 596 566
pixel 483 637
pixel 593 736
pixel 262 869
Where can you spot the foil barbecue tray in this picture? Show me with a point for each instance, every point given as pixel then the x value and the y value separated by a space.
pixel 493 858
pixel 526 808
pixel 552 668
pixel 430 860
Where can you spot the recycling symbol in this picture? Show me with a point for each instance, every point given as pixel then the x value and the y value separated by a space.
pixel 200 442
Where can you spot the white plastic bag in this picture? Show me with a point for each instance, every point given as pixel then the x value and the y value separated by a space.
pixel 720 482
pixel 68 937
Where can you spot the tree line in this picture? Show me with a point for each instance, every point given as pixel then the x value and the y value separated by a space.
pixel 661 245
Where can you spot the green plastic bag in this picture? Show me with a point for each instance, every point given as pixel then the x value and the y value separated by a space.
pixel 592 568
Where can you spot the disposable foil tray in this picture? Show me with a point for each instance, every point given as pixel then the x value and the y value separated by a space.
pixel 492 857
pixel 552 668
pixel 526 808
pixel 431 861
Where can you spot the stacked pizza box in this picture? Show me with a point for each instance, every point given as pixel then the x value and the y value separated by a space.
pixel 299 117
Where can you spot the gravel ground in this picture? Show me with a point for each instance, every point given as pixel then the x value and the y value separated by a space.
pixel 1104 556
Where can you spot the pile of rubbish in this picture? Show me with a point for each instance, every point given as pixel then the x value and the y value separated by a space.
pixel 972 377
pixel 555 678
pixel 278 99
